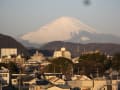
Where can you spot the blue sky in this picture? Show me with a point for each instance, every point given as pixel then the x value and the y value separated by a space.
pixel 21 16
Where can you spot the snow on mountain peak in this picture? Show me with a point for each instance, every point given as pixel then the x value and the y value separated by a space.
pixel 84 38
pixel 60 29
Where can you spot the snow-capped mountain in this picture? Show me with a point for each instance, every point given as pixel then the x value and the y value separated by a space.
pixel 68 29
pixel 62 29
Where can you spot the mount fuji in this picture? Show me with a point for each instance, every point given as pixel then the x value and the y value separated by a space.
pixel 68 29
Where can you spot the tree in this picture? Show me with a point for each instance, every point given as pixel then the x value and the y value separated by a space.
pixel 60 65
pixel 116 61
pixel 13 68
pixel 107 64
pixel 92 63
pixel 3 65
pixel 95 57
pixel 87 67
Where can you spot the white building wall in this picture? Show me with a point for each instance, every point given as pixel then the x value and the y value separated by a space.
pixel 62 53
pixel 8 51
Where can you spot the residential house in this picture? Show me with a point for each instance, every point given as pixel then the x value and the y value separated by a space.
pixel 4 76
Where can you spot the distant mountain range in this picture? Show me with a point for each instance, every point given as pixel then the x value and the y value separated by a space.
pixel 48 49
pixel 9 42
pixel 76 48
pixel 68 29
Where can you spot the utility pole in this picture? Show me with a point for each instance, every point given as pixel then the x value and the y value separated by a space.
pixel 72 71
pixel 20 80
pixel 54 68
pixel 78 49
pixel 0 83
pixel 78 70
pixel 117 81
pixel 97 73
pixel 91 75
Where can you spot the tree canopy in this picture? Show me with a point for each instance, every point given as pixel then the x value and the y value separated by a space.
pixel 60 65
pixel 116 61
pixel 13 68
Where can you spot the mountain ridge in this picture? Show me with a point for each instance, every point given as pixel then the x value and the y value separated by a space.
pixel 7 41
pixel 107 48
